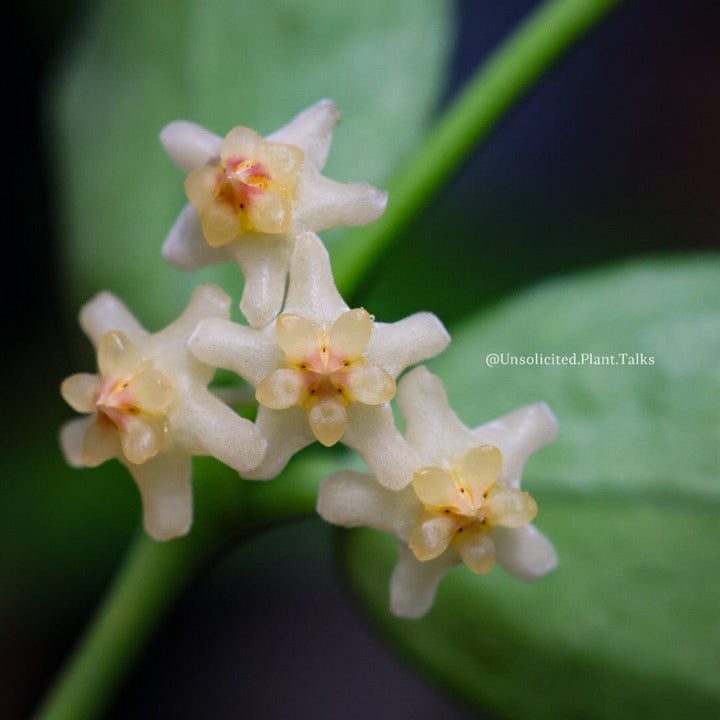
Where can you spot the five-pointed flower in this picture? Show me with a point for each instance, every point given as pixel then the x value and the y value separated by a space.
pixel 464 503
pixel 250 197
pixel 149 406
pixel 323 371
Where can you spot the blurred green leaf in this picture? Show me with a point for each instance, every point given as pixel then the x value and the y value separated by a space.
pixel 628 625
pixel 137 66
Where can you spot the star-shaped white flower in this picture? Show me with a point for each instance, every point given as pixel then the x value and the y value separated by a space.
pixel 251 196
pixel 323 371
pixel 464 503
pixel 149 406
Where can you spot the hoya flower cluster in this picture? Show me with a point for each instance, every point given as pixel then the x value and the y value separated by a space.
pixel 320 370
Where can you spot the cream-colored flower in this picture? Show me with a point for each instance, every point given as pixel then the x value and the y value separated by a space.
pixel 251 196
pixel 464 503
pixel 149 406
pixel 323 371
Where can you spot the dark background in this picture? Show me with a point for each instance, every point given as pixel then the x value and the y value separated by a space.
pixel 616 154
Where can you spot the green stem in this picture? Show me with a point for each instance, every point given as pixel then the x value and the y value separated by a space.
pixel 227 511
pixel 154 574
pixel 540 40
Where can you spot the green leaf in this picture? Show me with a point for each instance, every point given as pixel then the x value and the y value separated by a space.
pixel 137 66
pixel 628 625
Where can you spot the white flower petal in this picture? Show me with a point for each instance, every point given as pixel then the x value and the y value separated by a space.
pixel 413 583
pixel 432 428
pixel 353 499
pixel 190 145
pixel 207 301
pixel 106 312
pixel 323 203
pixel 264 260
pixel 215 429
pixel 72 436
pixel 432 535
pixel 311 130
pixel 371 431
pixel 249 352
pixel 519 434
pixel 164 484
pixel 286 432
pixel 411 340
pixel 311 291
pixel 185 246
pixel 525 551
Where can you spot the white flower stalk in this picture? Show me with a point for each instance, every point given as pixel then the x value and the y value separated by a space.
pixel 251 196
pixel 149 407
pixel 323 371
pixel 464 503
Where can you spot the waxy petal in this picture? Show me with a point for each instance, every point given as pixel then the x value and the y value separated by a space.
pixel 284 161
pixel 241 143
pixel 270 213
pixel 249 352
pixel 431 427
pixel 413 583
pixel 264 260
pixel 399 345
pixel 371 431
pixel 282 389
pixel 519 434
pixel 80 391
pixel 212 428
pixel 476 549
pixel 297 337
pixel 185 246
pixel 510 507
pixel 369 385
pixel 311 131
pixel 201 186
pixel 286 432
pixel 525 552
pixel 353 499
pixel 350 334
pixel 164 484
pixel 431 535
pixel 190 145
pixel 72 438
pixel 152 391
pixel 323 203
pixel 220 224
pixel 117 356
pixel 104 313
pixel 479 469
pixel 435 487
pixel 311 291
pixel 328 421
pixel 101 442
pixel 141 440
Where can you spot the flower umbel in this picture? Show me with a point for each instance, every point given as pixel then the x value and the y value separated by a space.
pixel 250 197
pixel 464 504
pixel 149 406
